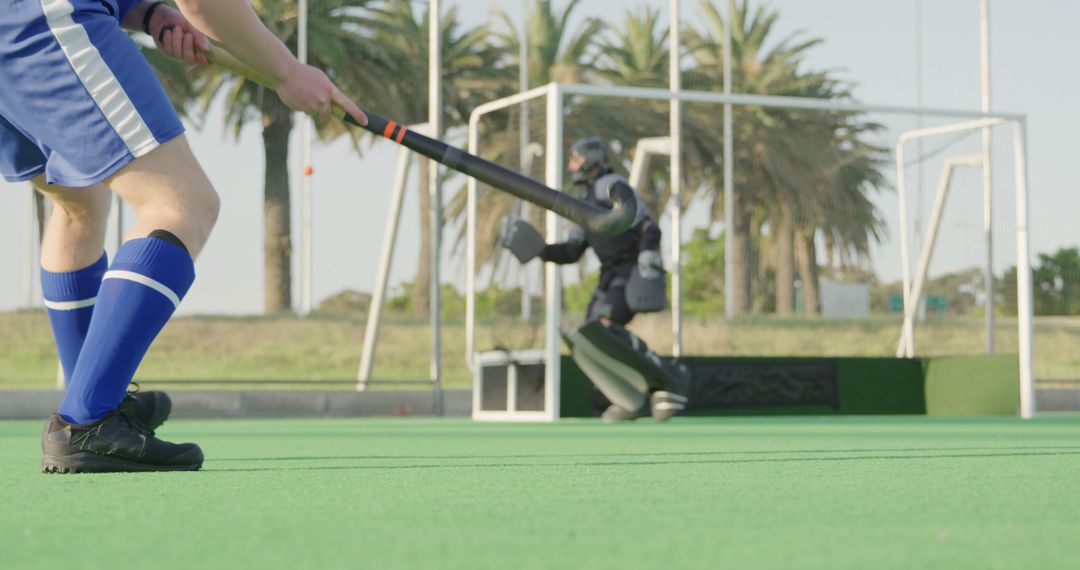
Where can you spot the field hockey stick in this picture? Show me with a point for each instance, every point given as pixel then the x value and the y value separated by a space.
pixel 592 217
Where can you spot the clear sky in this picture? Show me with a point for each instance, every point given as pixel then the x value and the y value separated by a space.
pixel 870 42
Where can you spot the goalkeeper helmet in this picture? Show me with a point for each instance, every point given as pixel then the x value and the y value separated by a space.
pixel 592 155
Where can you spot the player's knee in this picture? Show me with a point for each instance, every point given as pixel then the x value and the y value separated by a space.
pixel 200 214
pixel 209 207
pixel 169 183
pixel 196 200
pixel 188 211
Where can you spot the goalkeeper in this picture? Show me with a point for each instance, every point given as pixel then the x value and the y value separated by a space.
pixel 632 280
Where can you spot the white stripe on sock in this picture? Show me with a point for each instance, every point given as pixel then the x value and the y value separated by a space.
pixel 144 280
pixel 98 79
pixel 70 305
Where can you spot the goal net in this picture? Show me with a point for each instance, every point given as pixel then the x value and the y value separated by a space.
pixel 814 262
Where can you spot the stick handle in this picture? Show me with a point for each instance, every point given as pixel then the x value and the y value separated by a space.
pixel 222 58
pixel 595 218
pixel 590 216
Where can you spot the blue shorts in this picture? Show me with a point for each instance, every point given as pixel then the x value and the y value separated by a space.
pixel 78 100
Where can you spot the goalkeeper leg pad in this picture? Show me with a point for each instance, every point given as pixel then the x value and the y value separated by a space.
pixel 622 384
pixel 630 352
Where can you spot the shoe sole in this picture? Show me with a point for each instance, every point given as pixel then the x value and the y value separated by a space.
pixel 94 463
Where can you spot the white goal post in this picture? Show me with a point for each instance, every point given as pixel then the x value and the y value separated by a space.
pixel 556 96
pixel 913 288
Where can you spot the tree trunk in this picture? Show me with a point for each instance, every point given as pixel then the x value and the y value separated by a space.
pixel 740 237
pixel 421 288
pixel 785 262
pixel 830 251
pixel 806 253
pixel 277 210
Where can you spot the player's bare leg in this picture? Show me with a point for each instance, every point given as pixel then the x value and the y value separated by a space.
pixel 72 259
pixel 169 191
pixel 75 231
pixel 176 207
pixel 118 130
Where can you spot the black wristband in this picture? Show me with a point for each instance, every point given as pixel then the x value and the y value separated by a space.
pixel 161 33
pixel 148 13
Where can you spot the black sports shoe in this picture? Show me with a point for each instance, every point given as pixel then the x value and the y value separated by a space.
pixel 148 409
pixel 112 444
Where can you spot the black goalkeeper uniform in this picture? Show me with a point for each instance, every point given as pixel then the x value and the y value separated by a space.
pixel 618 254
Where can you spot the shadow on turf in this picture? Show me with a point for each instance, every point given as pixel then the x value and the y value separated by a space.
pixel 1063 450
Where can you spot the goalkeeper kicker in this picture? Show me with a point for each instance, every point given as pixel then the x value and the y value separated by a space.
pixel 632 280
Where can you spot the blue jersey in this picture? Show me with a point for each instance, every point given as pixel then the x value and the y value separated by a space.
pixel 122 7
pixel 125 6
pixel 79 101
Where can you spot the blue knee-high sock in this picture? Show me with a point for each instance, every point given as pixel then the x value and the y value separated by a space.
pixel 138 295
pixel 69 298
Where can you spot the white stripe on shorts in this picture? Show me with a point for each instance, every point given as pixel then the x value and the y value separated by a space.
pixel 144 280
pixel 98 78
pixel 70 305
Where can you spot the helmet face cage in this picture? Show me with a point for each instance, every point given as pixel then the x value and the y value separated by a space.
pixel 595 154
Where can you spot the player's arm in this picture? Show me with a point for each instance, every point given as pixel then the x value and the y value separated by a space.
pixel 235 25
pixel 569 251
pixel 648 235
pixel 650 262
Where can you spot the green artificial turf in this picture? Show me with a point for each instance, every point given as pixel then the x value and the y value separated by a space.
pixel 696 493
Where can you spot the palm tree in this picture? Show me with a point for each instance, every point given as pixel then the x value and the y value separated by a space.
pixel 336 43
pixel 635 53
pixel 555 53
pixel 840 208
pixel 757 69
pixel 784 157
pixel 471 76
